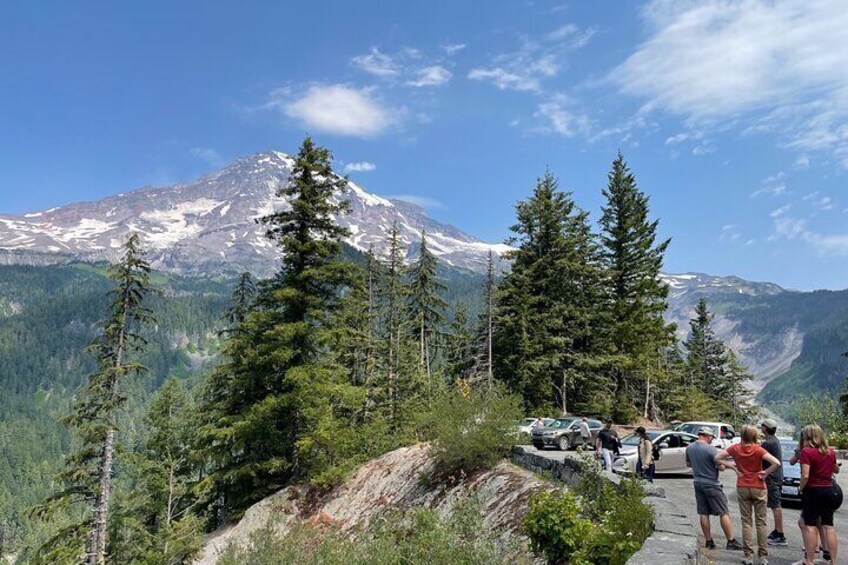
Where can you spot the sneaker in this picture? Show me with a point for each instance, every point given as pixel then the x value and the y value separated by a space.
pixel 779 539
pixel 763 560
pixel 826 555
pixel 746 561
pixel 710 544
pixel 734 545
pixel 774 534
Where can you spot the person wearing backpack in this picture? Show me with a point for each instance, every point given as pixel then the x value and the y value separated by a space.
pixel 645 466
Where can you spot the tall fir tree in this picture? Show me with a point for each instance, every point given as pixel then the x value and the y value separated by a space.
pixel 483 354
pixel 283 392
pixel 460 354
pixel 636 294
pixel 545 322
pixel 88 477
pixel 154 522
pixel 393 297
pixel 426 307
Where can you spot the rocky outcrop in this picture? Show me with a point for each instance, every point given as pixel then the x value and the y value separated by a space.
pixel 395 481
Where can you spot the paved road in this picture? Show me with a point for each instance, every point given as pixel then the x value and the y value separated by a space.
pixel 679 489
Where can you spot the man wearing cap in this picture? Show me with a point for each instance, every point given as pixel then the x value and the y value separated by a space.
pixel 774 482
pixel 709 494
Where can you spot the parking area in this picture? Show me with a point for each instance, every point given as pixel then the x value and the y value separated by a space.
pixel 679 489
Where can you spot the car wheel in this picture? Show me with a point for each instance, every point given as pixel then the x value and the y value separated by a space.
pixel 564 444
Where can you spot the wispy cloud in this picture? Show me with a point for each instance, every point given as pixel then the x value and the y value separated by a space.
pixel 360 167
pixel 337 109
pixel 453 48
pixel 422 201
pixel 774 185
pixel 789 228
pixel 435 75
pixel 526 68
pixel 209 155
pixel 779 65
pixel 558 118
pixel 376 63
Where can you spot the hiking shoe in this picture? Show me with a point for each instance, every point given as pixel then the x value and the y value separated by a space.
pixel 746 561
pixel 779 539
pixel 773 534
pixel 710 544
pixel 826 555
pixel 734 545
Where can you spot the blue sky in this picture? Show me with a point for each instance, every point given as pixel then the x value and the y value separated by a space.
pixel 732 114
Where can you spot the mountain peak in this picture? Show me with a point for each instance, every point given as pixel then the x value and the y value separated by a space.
pixel 208 225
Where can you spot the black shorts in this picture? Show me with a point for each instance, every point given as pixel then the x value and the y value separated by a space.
pixel 774 490
pixel 710 500
pixel 818 505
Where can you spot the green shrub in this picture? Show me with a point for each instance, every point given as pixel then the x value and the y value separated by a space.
pixel 838 440
pixel 599 524
pixel 472 430
pixel 421 537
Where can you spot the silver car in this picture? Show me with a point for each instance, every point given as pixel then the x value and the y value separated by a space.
pixel 671 445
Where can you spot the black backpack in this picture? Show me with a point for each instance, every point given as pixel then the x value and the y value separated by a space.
pixel 656 451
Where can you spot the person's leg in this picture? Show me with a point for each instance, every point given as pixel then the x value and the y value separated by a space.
pixel 652 469
pixel 727 526
pixel 811 541
pixel 705 526
pixel 745 509
pixel 778 519
pixel 760 511
pixel 832 543
pixel 607 455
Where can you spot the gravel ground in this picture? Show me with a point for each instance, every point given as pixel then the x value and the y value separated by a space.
pixel 680 490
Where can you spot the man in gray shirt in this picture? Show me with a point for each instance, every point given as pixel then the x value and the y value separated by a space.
pixel 709 494
pixel 774 482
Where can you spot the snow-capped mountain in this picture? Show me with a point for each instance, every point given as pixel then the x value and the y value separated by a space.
pixel 209 225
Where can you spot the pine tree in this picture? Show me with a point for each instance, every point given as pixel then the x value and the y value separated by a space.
pixel 425 305
pixel 482 367
pixel 243 297
pixel 460 342
pixel 393 296
pixel 636 294
pixel 706 355
pixel 545 322
pixel 154 523
pixel 88 475
pixel 283 392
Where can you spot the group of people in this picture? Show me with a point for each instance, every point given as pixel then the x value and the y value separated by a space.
pixel 758 487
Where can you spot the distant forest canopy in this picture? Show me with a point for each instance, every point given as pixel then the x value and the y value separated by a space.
pixel 360 350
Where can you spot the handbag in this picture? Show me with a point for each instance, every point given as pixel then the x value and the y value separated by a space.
pixel 836 495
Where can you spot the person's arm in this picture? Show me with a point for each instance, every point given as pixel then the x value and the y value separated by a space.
pixel 805 476
pixel 774 464
pixel 725 460
pixel 686 457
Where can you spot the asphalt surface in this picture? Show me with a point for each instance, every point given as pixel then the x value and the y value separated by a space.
pixel 679 489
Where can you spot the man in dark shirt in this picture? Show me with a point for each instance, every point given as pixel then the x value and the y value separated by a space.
pixel 606 445
pixel 774 482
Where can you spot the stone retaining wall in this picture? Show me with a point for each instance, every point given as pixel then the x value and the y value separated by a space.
pixel 674 541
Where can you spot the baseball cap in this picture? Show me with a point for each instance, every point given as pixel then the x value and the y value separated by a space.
pixel 706 431
pixel 640 430
pixel 770 424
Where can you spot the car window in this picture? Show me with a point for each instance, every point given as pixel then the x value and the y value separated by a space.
pixel 593 424
pixel 787 449
pixel 631 439
pixel 689 428
pixel 561 423
pixel 686 439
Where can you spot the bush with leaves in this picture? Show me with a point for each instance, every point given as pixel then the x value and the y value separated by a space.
pixel 472 429
pixel 598 524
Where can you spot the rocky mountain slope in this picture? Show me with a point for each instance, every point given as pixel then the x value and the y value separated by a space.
pixel 390 482
pixel 209 225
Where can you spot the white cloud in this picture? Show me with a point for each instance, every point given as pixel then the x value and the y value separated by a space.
pixel 802 162
pixel 376 63
pixel 780 211
pixel 796 229
pixel 338 109
pixel 703 149
pixel 453 48
pixel 505 80
pixel 773 185
pixel 526 68
pixel 431 76
pixel 781 65
pixel 208 154
pixel 422 201
pixel 361 167
pixel 560 120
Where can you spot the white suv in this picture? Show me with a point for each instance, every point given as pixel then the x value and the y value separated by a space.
pixel 723 433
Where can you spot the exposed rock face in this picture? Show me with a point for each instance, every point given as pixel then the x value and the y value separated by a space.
pixel 391 482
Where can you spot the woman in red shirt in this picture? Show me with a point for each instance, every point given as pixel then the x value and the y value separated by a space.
pixel 818 497
pixel 751 491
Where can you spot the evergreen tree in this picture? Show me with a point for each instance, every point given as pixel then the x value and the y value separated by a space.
pixel 88 475
pixel 636 294
pixel 460 342
pixel 393 296
pixel 283 392
pixel 426 306
pixel 545 322
pixel 154 523
pixel 243 297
